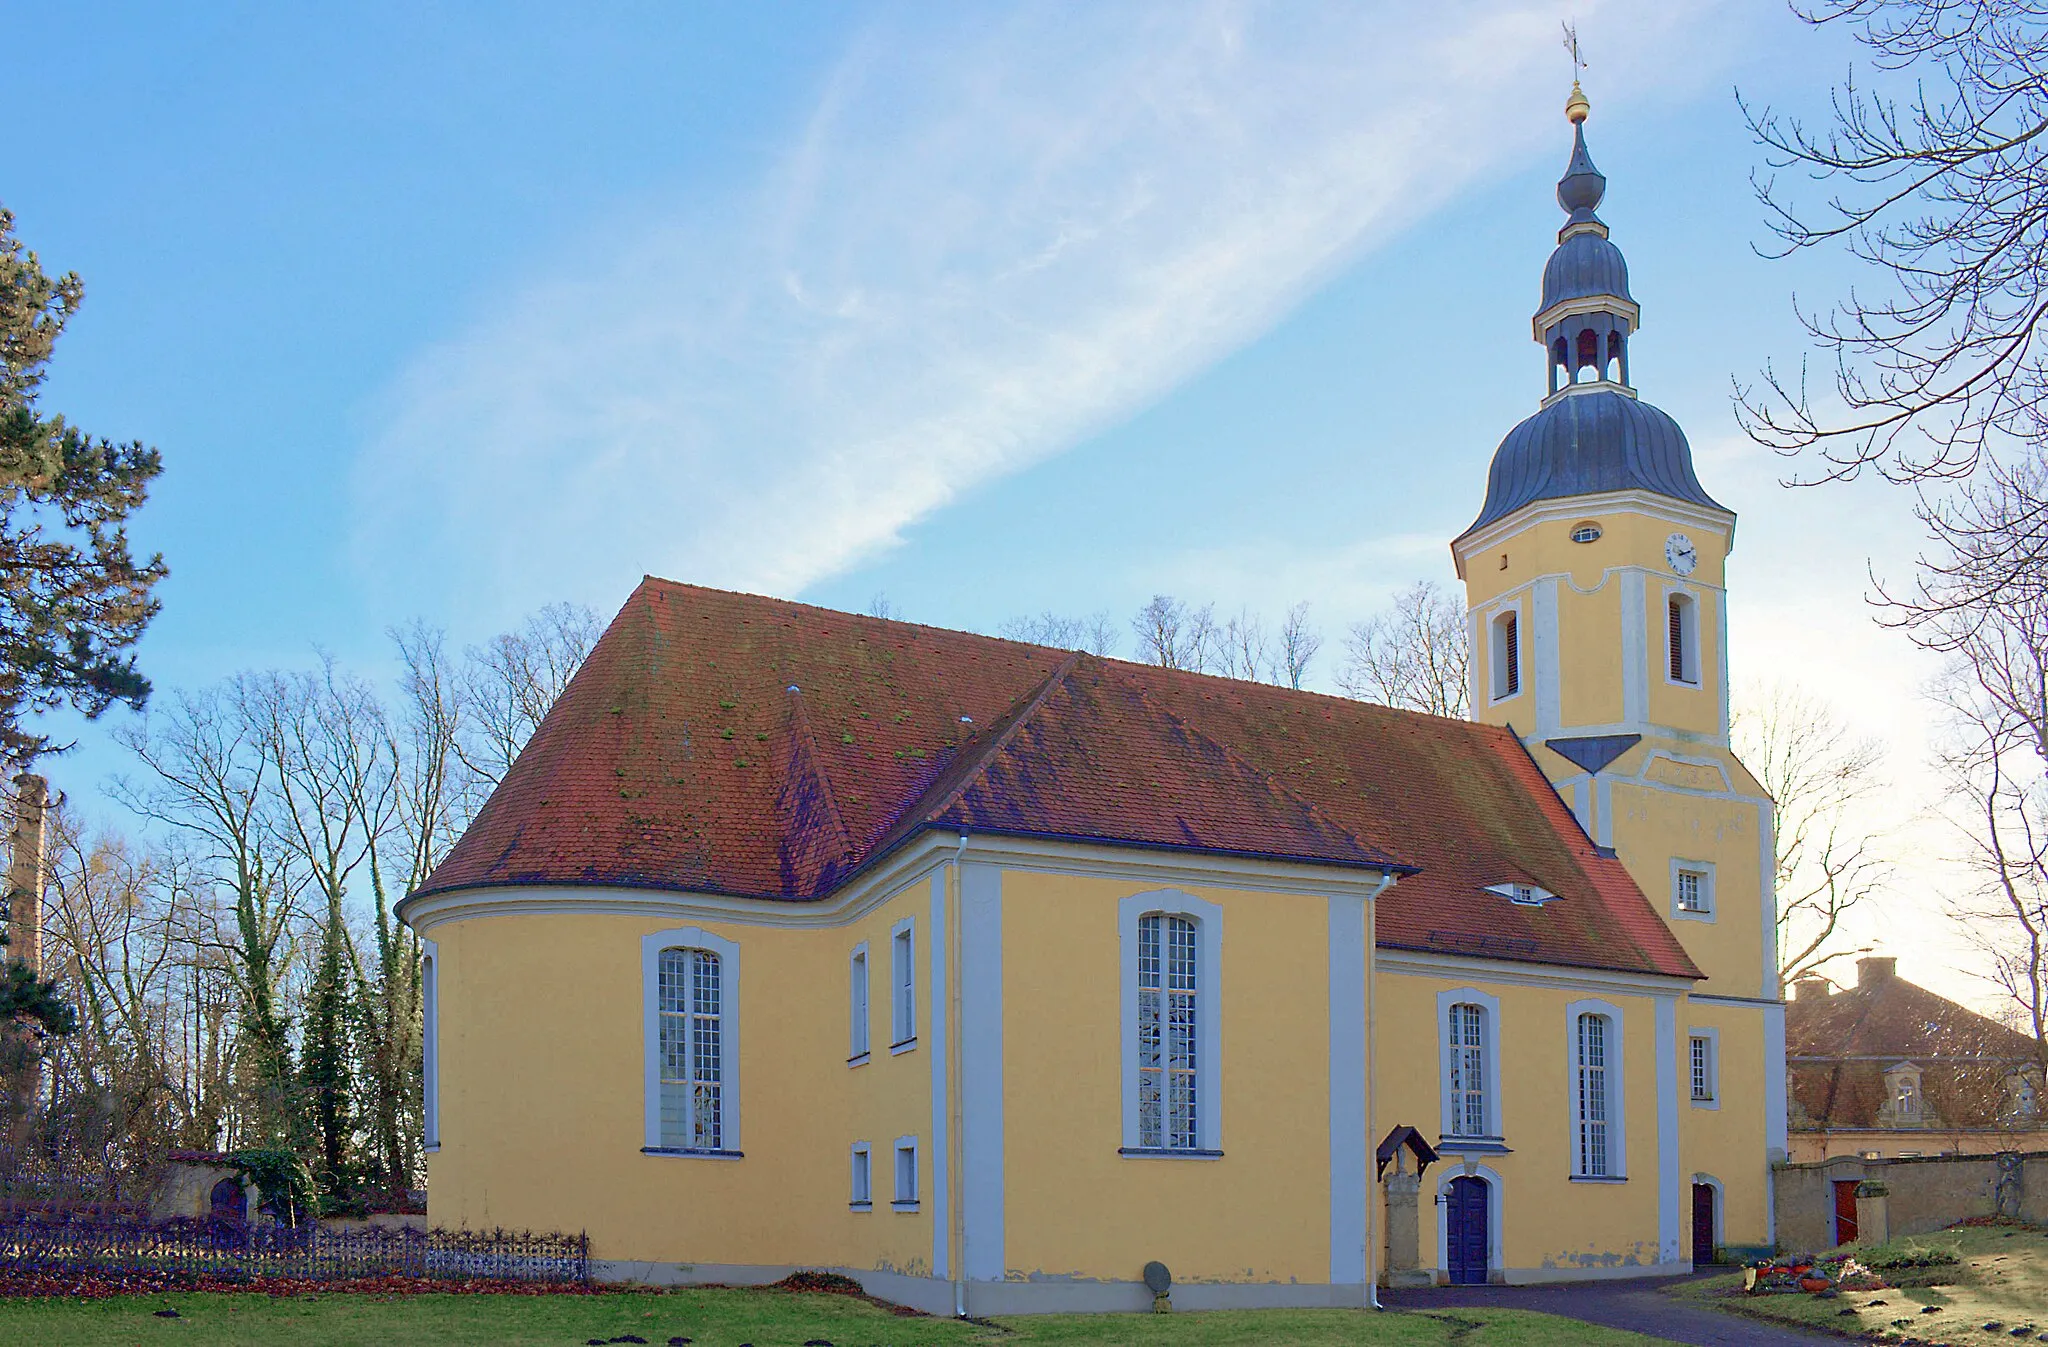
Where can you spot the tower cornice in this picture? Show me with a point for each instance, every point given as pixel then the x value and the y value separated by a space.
pixel 1557 509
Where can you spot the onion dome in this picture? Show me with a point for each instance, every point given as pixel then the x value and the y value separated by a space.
pixel 1592 433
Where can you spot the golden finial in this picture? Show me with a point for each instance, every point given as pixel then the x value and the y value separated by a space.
pixel 1576 108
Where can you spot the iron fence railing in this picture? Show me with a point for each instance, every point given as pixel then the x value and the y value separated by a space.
pixel 121 1246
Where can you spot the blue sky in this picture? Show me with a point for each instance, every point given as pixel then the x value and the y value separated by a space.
pixel 451 311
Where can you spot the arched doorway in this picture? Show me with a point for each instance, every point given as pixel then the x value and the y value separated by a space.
pixel 1703 1197
pixel 229 1202
pixel 1467 1212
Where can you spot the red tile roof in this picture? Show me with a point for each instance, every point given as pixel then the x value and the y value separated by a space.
pixel 680 758
pixel 1839 1047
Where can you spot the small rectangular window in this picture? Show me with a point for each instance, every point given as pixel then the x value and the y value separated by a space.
pixel 862 1191
pixel 1507 655
pixel 857 1009
pixel 1702 1069
pixel 903 978
pixel 1683 638
pixel 1692 892
pixel 906 1173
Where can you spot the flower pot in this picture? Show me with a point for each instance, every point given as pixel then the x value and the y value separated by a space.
pixel 1812 1284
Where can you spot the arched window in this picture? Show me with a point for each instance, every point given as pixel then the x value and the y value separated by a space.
pixel 1170 943
pixel 1589 349
pixel 691 980
pixel 1682 638
pixel 692 1033
pixel 1591 1094
pixel 1168 1056
pixel 1467 1084
pixel 430 1045
pixel 1507 654
pixel 1614 349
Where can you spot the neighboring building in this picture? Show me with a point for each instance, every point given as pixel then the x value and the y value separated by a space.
pixel 988 973
pixel 1887 1069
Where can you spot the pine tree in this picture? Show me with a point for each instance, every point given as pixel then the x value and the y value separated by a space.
pixel 73 601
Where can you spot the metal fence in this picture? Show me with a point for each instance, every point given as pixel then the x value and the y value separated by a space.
pixel 118 1246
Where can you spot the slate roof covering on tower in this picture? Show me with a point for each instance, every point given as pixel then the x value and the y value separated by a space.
pixel 1597 436
pixel 733 744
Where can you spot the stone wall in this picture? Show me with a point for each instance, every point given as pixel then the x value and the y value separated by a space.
pixel 1927 1193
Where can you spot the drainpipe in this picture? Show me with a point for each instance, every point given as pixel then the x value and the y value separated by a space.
pixel 957 1143
pixel 1372 1092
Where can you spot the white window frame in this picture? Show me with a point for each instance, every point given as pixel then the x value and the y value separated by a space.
pixel 1712 1038
pixel 1705 870
pixel 1908 1075
pixel 860 1178
pixel 1691 663
pixel 1489 1007
pixel 651 946
pixel 1616 1091
pixel 1496 653
pixel 859 1021
pixel 903 986
pixel 430 1046
pixel 899 1202
pixel 1208 920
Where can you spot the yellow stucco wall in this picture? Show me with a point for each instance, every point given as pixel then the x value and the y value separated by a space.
pixel 1727 1142
pixel 542 1114
pixel 1073 1205
pixel 1551 1223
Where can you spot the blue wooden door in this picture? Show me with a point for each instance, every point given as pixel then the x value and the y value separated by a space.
pixel 1465 1213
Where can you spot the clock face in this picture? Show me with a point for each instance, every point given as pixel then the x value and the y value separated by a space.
pixel 1681 554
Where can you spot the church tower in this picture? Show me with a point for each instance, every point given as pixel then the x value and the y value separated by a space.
pixel 1595 580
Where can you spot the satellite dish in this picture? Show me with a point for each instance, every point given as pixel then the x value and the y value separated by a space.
pixel 1157 1279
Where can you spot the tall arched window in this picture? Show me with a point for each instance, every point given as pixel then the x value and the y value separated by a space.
pixel 1170 946
pixel 1168 1056
pixel 690 979
pixel 1467 1029
pixel 1589 349
pixel 692 1050
pixel 1591 1095
pixel 1614 350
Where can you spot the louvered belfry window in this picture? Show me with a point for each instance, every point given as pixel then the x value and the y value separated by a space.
pixel 692 1048
pixel 1167 1069
pixel 1591 1100
pixel 1468 1070
pixel 1676 624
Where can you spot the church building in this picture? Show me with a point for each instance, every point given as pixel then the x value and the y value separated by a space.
pixel 989 974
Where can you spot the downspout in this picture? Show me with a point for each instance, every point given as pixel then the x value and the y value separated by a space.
pixel 956 1146
pixel 1372 1093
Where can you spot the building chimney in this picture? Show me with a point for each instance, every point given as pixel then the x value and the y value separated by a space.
pixel 1811 989
pixel 25 871
pixel 1870 972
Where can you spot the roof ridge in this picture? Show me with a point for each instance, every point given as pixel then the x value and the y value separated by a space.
pixel 971 767
pixel 1273 781
pixel 804 748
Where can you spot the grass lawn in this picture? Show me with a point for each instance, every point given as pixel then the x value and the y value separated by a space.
pixel 2002 1279
pixel 730 1318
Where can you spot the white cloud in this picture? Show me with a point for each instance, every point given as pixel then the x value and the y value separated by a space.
pixel 985 243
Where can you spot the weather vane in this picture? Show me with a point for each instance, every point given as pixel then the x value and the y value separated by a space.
pixel 1571 44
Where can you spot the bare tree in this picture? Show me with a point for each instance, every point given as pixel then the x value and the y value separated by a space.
pixel 1096 633
pixel 879 606
pixel 1995 694
pixel 1299 644
pixel 1415 655
pixel 1824 781
pixel 1943 191
pixel 1242 649
pixel 1176 635
pixel 512 680
pixel 210 780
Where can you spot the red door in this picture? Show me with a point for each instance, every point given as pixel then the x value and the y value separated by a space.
pixel 1845 1210
pixel 1702 1224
